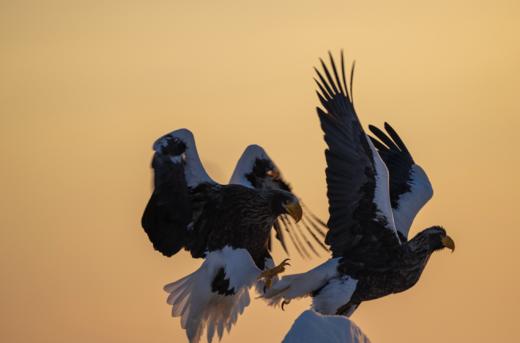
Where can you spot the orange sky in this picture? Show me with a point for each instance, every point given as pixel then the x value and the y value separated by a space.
pixel 85 88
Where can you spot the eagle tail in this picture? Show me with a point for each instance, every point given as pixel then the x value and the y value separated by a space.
pixel 200 306
pixel 334 295
pixel 301 285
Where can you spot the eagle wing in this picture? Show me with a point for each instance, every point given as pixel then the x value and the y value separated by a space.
pixel 361 224
pixel 167 219
pixel 410 188
pixel 255 169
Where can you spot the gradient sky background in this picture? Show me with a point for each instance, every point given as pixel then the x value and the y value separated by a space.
pixel 86 87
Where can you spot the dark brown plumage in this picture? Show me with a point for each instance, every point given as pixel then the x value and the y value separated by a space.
pixel 399 275
pixel 374 189
pixel 229 226
pixel 209 216
pixel 362 232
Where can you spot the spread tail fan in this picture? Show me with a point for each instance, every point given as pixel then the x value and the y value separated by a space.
pixel 199 306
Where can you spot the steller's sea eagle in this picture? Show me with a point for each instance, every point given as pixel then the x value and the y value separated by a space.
pixel 227 225
pixel 375 190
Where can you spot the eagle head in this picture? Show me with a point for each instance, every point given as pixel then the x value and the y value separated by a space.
pixel 283 202
pixel 436 238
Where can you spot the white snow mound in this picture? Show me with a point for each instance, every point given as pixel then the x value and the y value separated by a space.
pixel 312 327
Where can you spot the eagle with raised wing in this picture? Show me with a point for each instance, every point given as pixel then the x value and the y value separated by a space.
pixel 375 190
pixel 229 226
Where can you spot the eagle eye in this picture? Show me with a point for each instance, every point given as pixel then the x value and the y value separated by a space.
pixel 273 173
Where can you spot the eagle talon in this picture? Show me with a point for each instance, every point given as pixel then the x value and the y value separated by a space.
pixel 269 274
pixel 285 302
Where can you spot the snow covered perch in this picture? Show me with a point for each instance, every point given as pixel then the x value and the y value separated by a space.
pixel 311 327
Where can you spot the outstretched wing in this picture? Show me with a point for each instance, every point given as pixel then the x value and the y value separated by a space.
pixel 410 188
pixel 255 169
pixel 177 169
pixel 361 224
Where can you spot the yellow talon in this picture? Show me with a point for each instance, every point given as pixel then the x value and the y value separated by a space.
pixel 269 274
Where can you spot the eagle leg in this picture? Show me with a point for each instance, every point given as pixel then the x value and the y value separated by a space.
pixel 269 274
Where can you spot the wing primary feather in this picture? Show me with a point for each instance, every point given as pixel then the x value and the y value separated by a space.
pixel 343 74
pixel 383 137
pixel 336 76
pixel 352 69
pixel 299 237
pixel 321 98
pixel 314 217
pixel 282 223
pixel 292 235
pixel 279 235
pixel 324 82
pixel 299 233
pixel 379 146
pixel 329 77
pixel 396 138
pixel 313 225
pixel 324 92
pixel 308 228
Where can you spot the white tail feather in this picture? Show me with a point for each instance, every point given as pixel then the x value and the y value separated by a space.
pixel 335 294
pixel 199 307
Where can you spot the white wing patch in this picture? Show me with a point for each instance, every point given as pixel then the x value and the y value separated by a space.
pixel 312 327
pixel 409 204
pixel 301 285
pixel 192 299
pixel 382 191
pixel 245 165
pixel 194 171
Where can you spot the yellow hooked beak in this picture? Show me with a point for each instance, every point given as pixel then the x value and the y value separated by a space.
pixel 448 243
pixel 294 210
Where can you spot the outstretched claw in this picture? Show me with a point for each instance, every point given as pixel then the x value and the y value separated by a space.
pixel 269 274
pixel 285 302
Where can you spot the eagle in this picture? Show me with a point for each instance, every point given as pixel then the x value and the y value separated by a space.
pixel 229 226
pixel 375 189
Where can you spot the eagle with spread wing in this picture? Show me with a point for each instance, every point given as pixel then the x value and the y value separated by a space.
pixel 375 189
pixel 229 226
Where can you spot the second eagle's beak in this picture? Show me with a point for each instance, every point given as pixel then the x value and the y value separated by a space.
pixel 448 243
pixel 294 210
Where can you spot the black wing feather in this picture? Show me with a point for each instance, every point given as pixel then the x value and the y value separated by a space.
pixel 178 200
pixel 406 177
pixel 383 137
pixel 397 159
pixel 356 230
pixel 169 210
